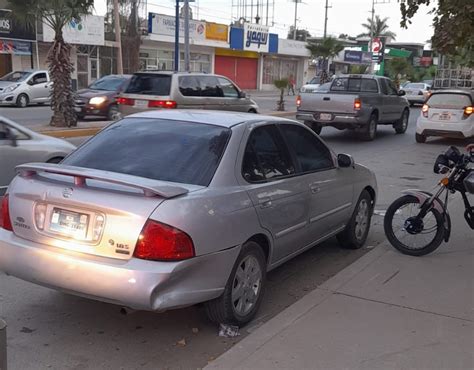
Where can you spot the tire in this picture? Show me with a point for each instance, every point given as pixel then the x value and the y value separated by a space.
pixel 420 138
pixel 402 124
pixel 80 116
pixel 55 160
pixel 355 233
pixel 22 101
pixel 369 131
pixel 113 113
pixel 223 310
pixel 41 103
pixel 396 243
pixel 316 127
pixel 252 111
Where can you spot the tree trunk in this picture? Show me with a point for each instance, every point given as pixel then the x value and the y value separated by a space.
pixel 62 97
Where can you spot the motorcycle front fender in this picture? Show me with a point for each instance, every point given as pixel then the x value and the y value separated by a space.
pixel 438 204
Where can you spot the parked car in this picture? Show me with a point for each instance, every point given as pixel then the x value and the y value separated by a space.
pixel 169 208
pixel 100 98
pixel 356 102
pixel 21 88
pixel 19 145
pixel 447 113
pixel 417 92
pixel 161 90
pixel 312 85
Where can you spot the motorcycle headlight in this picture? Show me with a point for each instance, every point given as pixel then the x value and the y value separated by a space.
pixel 11 88
pixel 98 100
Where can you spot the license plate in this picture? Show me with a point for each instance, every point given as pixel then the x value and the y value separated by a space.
pixel 444 117
pixel 69 223
pixel 325 116
pixel 141 103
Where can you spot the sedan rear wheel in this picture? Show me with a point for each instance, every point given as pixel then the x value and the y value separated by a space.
pixel 243 291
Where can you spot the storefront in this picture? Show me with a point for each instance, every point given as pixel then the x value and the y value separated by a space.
pixel 15 44
pixel 240 66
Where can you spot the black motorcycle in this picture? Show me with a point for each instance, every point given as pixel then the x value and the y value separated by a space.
pixel 418 222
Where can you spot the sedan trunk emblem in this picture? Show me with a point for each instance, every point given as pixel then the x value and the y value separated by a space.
pixel 67 192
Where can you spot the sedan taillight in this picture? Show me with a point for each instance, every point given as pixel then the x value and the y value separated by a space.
pixel 468 111
pixel 171 104
pixel 125 101
pixel 5 221
pixel 424 110
pixel 160 242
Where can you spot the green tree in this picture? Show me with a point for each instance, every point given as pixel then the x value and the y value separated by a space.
pixel 380 28
pixel 453 23
pixel 301 35
pixel 397 68
pixel 325 48
pixel 281 85
pixel 56 14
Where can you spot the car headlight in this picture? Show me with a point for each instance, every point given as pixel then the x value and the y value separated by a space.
pixel 11 88
pixel 97 100
pixel 303 89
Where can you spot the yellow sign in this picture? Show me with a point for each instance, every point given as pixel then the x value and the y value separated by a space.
pixel 216 31
pixel 237 53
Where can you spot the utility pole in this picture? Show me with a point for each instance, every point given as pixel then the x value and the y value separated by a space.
pixel 371 68
pixel 296 17
pixel 118 38
pixel 186 35
pixel 326 18
pixel 176 39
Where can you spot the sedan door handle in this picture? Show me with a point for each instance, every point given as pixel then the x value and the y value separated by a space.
pixel 315 188
pixel 265 202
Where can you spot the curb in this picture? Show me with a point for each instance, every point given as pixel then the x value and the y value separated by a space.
pixel 80 132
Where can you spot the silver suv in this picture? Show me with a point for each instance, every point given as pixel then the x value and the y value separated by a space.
pixel 21 88
pixel 155 90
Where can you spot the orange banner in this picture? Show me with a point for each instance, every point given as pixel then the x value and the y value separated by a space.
pixel 216 31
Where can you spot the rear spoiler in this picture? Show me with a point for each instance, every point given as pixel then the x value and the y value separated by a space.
pixel 149 187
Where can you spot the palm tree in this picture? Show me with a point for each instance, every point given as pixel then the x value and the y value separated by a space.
pixel 380 28
pixel 325 48
pixel 281 85
pixel 56 14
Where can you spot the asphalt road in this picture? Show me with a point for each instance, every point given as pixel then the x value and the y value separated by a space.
pixel 41 114
pixel 48 329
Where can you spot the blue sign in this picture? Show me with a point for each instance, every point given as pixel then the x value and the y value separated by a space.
pixel 353 56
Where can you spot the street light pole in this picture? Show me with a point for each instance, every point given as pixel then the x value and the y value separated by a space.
pixel 176 39
pixel 118 38
pixel 186 35
pixel 371 69
pixel 296 17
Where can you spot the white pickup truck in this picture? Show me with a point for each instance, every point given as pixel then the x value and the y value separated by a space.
pixel 356 102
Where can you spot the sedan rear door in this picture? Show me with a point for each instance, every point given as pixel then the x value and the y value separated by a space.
pixel 280 197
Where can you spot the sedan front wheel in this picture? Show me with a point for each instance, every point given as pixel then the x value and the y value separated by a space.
pixel 244 290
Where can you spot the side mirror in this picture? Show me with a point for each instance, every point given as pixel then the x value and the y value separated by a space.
pixel 9 135
pixel 242 95
pixel 345 160
pixel 30 82
pixel 401 93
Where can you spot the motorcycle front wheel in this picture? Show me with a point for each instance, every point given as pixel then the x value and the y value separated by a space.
pixel 410 234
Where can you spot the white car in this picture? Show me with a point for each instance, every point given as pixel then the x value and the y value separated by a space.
pixel 447 113
pixel 417 92
pixel 21 88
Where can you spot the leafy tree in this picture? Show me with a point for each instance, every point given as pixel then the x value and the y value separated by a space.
pixel 301 35
pixel 380 28
pixel 397 68
pixel 453 23
pixel 325 48
pixel 345 36
pixel 56 14
pixel 281 85
pixel 358 69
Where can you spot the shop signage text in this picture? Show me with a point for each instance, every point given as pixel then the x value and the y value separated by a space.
pixel 5 25
pixel 216 31
pixel 256 37
pixel 10 29
pixel 15 47
pixel 160 24
pixel 357 57
pixel 88 31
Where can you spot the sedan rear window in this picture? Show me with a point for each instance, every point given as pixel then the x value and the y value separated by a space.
pixel 166 150
pixel 449 101
pixel 149 84
pixel 415 86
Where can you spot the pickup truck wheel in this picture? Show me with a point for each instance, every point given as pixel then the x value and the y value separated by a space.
pixel 369 131
pixel 316 127
pixel 402 124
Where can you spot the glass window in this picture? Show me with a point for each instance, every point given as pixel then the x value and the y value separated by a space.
pixel 228 88
pixel 16 76
pixel 311 153
pixel 210 86
pixel 266 156
pixel 149 84
pixel 7 133
pixel 189 86
pixel 449 101
pixel 354 84
pixel 368 85
pixel 108 83
pixel 182 152
pixel 392 89
pixel 384 86
pixel 39 78
pixel 415 86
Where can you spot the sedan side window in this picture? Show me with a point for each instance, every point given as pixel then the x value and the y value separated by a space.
pixel 228 88
pixel 39 78
pixel 266 156
pixel 311 154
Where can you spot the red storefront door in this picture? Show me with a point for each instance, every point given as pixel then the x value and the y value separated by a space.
pixel 243 71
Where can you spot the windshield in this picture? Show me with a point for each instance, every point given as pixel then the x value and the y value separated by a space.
pixel 108 83
pixel 449 101
pixel 149 84
pixel 354 85
pixel 16 76
pixel 183 152
pixel 415 86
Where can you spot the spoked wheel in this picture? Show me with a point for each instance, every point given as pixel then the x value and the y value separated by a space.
pixel 409 233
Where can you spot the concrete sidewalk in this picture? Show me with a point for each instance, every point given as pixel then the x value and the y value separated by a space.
pixel 385 311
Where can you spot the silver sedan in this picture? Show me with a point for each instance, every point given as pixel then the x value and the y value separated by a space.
pixel 167 209
pixel 19 145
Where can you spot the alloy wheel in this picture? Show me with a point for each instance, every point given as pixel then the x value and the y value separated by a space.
pixel 246 286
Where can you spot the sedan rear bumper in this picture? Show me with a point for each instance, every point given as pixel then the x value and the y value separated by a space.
pixel 138 284
pixel 458 129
